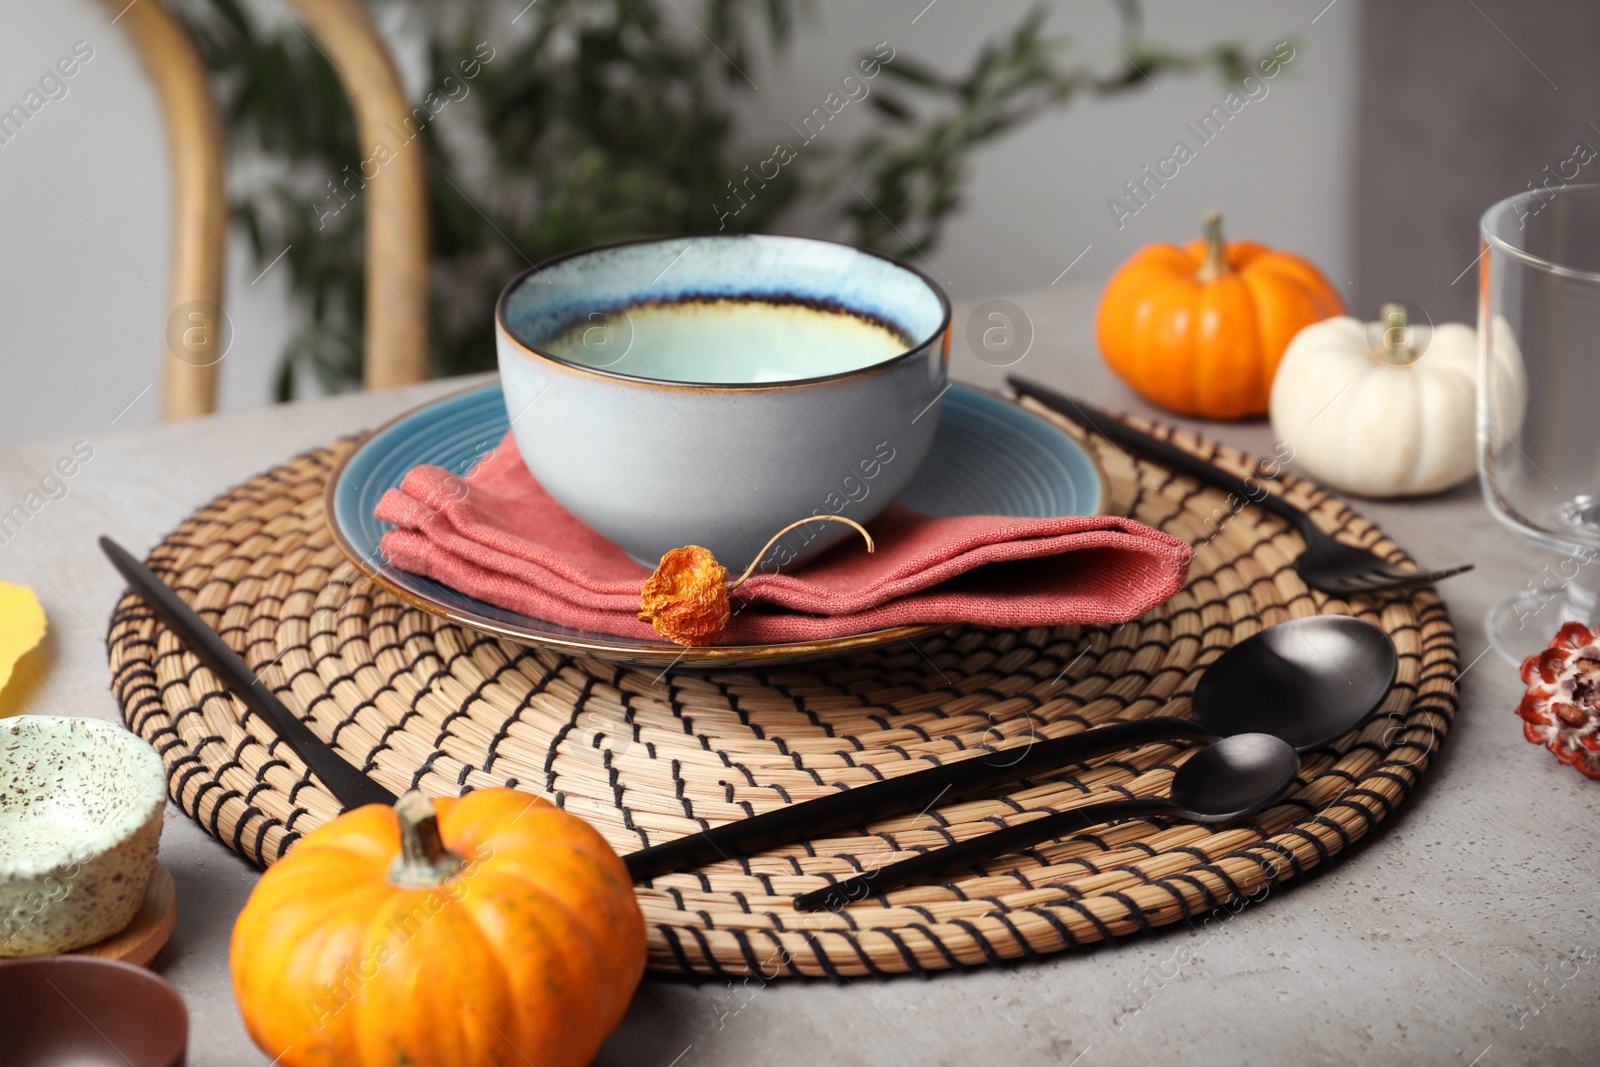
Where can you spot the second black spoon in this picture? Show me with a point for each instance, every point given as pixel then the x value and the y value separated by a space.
pixel 1231 779
pixel 1308 681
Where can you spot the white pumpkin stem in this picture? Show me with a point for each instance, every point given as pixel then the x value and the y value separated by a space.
pixel 1396 336
pixel 1215 264
pixel 862 530
pixel 423 859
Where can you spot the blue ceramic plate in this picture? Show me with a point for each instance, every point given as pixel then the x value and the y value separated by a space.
pixel 990 457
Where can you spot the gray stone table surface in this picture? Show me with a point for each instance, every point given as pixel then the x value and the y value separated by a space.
pixel 1463 932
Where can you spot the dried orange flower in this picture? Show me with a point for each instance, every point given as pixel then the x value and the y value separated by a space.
pixel 686 599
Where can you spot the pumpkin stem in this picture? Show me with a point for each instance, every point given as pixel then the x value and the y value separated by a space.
pixel 862 530
pixel 1215 264
pixel 1396 336
pixel 423 859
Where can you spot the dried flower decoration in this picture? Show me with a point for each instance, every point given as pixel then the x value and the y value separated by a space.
pixel 686 599
pixel 1561 709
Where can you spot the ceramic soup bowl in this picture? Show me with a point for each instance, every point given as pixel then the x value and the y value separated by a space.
pixel 87 1012
pixel 80 816
pixel 711 390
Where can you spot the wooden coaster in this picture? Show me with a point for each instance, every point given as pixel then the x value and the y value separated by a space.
pixel 151 927
pixel 646 756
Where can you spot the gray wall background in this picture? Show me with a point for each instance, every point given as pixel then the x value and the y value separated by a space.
pixel 84 242
pixel 1461 105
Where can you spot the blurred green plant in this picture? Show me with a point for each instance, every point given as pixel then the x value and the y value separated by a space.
pixel 596 121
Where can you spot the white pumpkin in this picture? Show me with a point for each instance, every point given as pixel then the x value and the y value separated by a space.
pixel 1389 409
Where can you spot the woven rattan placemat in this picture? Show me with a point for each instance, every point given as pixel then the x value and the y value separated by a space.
pixel 645 758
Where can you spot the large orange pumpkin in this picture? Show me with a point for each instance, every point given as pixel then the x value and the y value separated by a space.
pixel 1199 330
pixel 491 929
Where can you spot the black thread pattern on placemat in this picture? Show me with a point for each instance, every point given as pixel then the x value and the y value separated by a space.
pixel 418 701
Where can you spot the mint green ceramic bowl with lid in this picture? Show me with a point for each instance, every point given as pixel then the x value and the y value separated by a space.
pixel 81 802
pixel 710 390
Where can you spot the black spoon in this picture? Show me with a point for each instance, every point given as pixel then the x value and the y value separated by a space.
pixel 1308 681
pixel 1231 779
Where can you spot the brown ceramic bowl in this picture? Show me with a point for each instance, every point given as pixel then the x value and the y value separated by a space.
pixel 57 1010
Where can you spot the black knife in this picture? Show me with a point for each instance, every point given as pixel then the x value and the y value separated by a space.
pixel 907 794
pixel 350 786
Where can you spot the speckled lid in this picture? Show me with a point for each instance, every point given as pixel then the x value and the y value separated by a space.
pixel 71 788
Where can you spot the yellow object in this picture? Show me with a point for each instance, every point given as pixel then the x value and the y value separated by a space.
pixel 22 629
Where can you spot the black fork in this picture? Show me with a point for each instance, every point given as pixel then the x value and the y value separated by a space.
pixel 1326 564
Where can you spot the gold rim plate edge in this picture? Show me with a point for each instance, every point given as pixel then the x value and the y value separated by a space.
pixel 620 650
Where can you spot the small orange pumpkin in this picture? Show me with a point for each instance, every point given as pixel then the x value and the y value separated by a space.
pixel 491 929
pixel 1199 330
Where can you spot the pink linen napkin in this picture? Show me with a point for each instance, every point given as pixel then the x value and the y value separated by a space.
pixel 498 536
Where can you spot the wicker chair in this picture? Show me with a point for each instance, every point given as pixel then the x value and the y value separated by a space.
pixel 396 327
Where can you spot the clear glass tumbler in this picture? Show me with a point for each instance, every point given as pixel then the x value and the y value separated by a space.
pixel 1539 402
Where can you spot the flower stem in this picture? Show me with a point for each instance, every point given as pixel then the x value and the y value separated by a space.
pixel 862 530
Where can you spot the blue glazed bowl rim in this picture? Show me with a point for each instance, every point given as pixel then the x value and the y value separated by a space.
pixel 504 329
